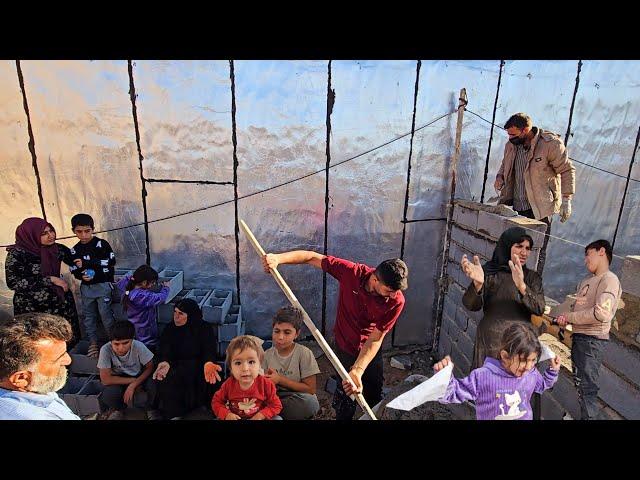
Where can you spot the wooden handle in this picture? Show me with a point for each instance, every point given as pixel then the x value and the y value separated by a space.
pixel 308 322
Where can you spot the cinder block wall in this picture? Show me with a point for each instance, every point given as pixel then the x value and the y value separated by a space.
pixel 475 231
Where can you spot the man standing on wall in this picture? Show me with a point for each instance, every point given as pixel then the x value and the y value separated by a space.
pixel 369 303
pixel 536 176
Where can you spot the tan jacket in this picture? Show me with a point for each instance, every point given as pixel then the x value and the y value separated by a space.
pixel 549 174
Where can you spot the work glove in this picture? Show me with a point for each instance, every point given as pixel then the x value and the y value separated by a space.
pixel 565 209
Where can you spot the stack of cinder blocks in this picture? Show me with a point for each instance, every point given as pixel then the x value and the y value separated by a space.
pixel 83 388
pixel 475 231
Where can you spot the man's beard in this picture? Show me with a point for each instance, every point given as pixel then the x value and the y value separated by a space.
pixel 43 384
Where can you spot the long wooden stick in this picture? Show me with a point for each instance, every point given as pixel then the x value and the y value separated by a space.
pixel 308 322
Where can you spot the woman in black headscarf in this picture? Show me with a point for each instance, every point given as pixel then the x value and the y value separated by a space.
pixel 505 289
pixel 185 362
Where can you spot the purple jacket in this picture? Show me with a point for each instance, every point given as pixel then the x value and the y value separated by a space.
pixel 497 393
pixel 141 310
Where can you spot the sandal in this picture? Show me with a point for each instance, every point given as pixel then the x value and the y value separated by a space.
pixel 94 351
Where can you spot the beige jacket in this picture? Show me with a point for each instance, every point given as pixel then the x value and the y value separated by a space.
pixel 549 174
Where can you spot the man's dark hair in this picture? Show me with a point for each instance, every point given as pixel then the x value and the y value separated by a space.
pixel 519 120
pixel 123 330
pixel 289 314
pixel 393 273
pixel 18 337
pixel 598 244
pixel 82 219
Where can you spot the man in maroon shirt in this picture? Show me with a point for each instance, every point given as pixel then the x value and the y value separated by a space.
pixel 369 303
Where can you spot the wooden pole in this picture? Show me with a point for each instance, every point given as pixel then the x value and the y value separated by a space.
pixel 308 322
pixel 447 235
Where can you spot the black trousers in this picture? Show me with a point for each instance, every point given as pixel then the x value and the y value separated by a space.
pixel 586 356
pixel 372 381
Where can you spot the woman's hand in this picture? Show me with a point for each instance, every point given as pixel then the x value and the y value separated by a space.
pixel 211 372
pixel 161 371
pixel 473 270
pixel 60 283
pixel 517 273
pixel 555 363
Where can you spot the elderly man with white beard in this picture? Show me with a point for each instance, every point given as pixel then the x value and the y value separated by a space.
pixel 33 360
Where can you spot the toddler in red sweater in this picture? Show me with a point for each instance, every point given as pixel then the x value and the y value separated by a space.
pixel 246 395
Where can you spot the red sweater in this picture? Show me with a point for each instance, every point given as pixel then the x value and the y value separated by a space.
pixel 260 397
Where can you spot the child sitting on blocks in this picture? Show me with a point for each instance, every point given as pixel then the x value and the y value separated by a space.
pixel 292 367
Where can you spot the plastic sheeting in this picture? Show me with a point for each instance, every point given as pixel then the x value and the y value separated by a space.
pixel 374 104
pixel 87 154
pixel 281 136
pixel 433 146
pixel 605 123
pixel 19 193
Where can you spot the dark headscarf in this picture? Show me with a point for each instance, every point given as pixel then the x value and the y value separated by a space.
pixel 502 254
pixel 191 308
pixel 28 236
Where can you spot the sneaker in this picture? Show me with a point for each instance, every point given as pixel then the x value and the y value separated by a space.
pixel 116 415
pixel 154 415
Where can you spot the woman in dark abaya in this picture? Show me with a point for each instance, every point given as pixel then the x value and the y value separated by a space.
pixel 505 289
pixel 185 362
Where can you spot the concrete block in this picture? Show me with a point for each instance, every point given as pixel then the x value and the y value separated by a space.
pixel 620 395
pixel 460 360
pixel 465 216
pixel 455 293
pixel 175 279
pixel 222 349
pixel 444 345
pixel 465 344
pixel 461 318
pixel 165 310
pixel 491 224
pixel 199 295
pixel 81 363
pixel 472 328
pixel 401 362
pixel 551 410
pixel 449 308
pixel 631 275
pixel 624 360
pixel 450 327
pixel 231 327
pixel 458 235
pixel 82 395
pixel 565 393
pixel 216 307
pixel 534 228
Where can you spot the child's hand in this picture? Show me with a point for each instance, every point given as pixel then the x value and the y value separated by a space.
pixel 165 284
pixel 211 372
pixel 258 416
pixel 443 363
pixel 232 416
pixel 128 394
pixel 78 262
pixel 555 363
pixel 272 375
pixel 60 283
pixel 161 371
pixel 562 320
pixel 86 278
